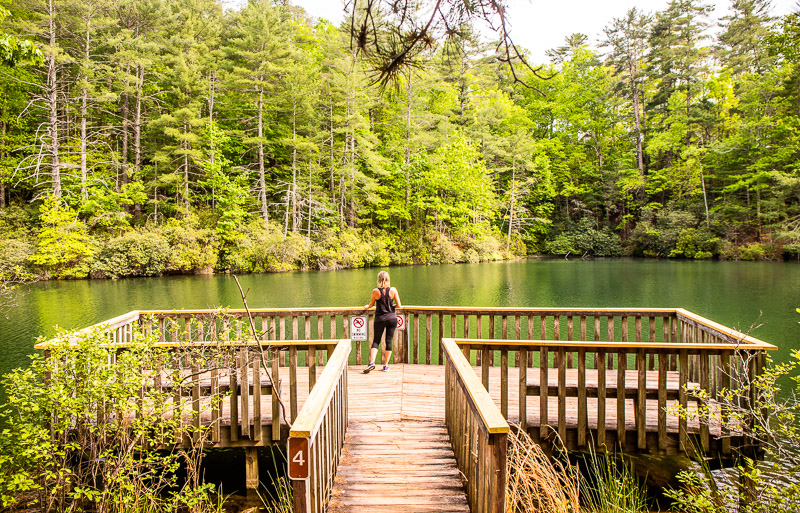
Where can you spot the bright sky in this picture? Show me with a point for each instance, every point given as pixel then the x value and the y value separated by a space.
pixel 540 25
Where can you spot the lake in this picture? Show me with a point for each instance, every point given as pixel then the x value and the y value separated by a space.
pixel 736 294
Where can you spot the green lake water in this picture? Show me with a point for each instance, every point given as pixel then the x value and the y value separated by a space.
pixel 737 294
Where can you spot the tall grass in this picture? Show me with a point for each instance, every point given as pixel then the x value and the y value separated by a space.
pixel 279 497
pixel 537 483
pixel 611 486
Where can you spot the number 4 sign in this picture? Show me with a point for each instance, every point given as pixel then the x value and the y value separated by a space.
pixel 298 458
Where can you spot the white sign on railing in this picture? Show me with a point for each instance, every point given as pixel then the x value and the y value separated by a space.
pixel 358 328
pixel 401 321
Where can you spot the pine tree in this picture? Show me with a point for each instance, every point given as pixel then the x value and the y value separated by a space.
pixel 626 39
pixel 259 51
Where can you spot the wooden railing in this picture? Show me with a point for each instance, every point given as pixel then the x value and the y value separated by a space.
pixel 648 373
pixel 217 377
pixel 317 435
pixel 427 325
pixel 478 432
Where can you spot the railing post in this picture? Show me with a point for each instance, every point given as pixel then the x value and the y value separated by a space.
pixel 499 443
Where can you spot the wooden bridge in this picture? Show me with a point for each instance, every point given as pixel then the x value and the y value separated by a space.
pixel 572 378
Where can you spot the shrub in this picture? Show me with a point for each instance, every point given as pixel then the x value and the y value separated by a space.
pixel 560 245
pixel 586 239
pixel 752 251
pixel 193 249
pixel 697 244
pixel 488 248
pixel 65 248
pixel 14 255
pixel 443 251
pixel 340 250
pixel 143 253
pixel 659 229
pixel 16 221
pixel 260 249
pixel 764 417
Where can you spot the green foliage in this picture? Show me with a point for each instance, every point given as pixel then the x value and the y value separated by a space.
pixel 586 239
pixel 753 251
pixel 193 249
pixel 230 195
pixel 764 416
pixel 15 51
pixel 65 249
pixel 77 437
pixel 190 122
pixel 453 187
pixel 136 253
pixel 698 244
pixel 260 249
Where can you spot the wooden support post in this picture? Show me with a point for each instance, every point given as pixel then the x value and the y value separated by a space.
pixel 523 390
pixel 543 391
pixel 251 469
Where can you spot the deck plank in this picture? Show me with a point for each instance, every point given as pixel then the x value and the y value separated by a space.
pixel 397 465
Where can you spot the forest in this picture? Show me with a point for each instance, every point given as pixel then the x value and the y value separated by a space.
pixel 150 137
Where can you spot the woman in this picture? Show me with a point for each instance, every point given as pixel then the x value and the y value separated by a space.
pixel 385 319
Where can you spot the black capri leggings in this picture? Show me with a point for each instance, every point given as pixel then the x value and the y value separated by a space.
pixel 389 325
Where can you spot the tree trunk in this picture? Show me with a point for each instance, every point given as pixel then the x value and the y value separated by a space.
pixel 513 194
pixel 84 109
pixel 126 127
pixel 408 146
pixel 636 120
pixel 705 198
pixel 688 121
pixel 211 89
pixel 308 230
pixel 294 166
pixel 52 100
pixel 186 170
pixel 137 134
pixel 262 181
pixel 353 179
pixel 333 189
pixel 2 155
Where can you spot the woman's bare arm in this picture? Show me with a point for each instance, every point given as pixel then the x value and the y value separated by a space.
pixel 396 297
pixel 375 295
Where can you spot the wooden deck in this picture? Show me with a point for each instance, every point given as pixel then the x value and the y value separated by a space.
pixel 358 441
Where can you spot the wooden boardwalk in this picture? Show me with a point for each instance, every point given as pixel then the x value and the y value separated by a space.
pixel 397 465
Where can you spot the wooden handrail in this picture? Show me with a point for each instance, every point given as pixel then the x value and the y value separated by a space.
pixel 111 324
pixel 317 435
pixel 310 416
pixel 723 331
pixel 420 342
pixel 576 344
pixel 493 420
pixel 478 432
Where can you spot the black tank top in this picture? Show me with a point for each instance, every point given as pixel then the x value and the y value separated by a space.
pixel 384 307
